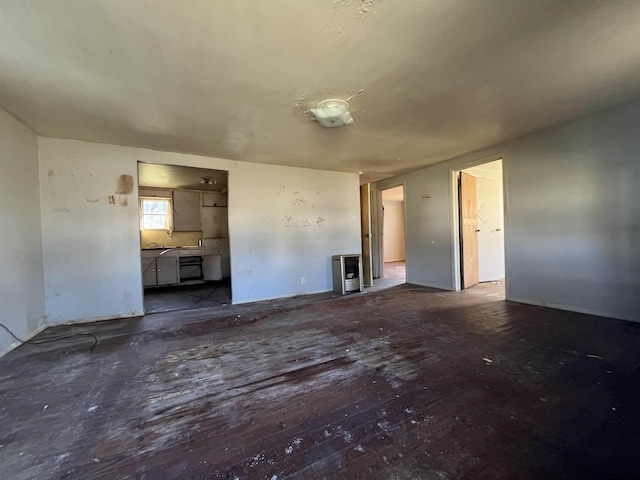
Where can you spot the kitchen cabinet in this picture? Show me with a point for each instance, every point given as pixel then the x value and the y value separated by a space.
pixel 219 246
pixel 186 211
pixel 171 266
pixel 159 271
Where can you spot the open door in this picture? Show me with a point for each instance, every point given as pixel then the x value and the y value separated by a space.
pixel 377 262
pixel 469 230
pixel 365 223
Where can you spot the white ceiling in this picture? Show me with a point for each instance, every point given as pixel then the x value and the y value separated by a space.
pixel 235 79
pixel 395 194
pixel 486 170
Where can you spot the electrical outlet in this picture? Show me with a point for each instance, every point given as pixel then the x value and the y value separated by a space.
pixel 303 280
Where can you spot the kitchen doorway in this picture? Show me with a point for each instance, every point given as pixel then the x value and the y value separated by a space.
pixel 184 237
pixel 480 221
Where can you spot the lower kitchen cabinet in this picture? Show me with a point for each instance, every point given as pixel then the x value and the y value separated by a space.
pixel 159 271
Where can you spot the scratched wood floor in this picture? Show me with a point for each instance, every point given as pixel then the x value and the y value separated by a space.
pixel 409 383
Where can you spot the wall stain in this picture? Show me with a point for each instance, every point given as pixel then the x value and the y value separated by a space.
pixel 359 8
pixel 51 173
pixel 123 200
pixel 125 184
pixel 95 200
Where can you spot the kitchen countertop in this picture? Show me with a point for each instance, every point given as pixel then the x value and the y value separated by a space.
pixel 172 251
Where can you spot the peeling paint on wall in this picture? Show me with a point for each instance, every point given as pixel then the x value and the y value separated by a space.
pixel 304 213
pixel 360 8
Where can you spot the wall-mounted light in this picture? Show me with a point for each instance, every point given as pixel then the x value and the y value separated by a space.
pixel 208 181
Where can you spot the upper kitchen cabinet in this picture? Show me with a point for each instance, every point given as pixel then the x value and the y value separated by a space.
pixel 186 211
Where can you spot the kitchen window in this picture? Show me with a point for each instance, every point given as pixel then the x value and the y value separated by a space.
pixel 155 213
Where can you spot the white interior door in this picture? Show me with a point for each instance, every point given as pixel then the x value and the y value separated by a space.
pixel 491 230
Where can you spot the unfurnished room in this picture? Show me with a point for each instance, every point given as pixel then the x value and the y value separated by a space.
pixel 355 239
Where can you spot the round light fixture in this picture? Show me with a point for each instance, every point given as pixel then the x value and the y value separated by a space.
pixel 332 112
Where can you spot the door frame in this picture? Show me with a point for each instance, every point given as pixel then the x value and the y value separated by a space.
pixel 377 267
pixel 365 235
pixel 377 254
pixel 455 218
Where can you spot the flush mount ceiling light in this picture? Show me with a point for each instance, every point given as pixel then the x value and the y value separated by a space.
pixel 333 112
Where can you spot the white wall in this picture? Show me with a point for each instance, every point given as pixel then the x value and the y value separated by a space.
pixel 489 196
pixel 393 230
pixel 572 216
pixel 427 233
pixel 22 288
pixel 284 224
pixel 91 247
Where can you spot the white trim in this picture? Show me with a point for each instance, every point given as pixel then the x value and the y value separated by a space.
pixel 446 288
pixel 263 299
pixel 139 313
pixel 571 308
pixel 454 213
pixel 15 344
pixel 380 253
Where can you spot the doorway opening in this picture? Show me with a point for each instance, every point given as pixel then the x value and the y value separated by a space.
pixel 388 254
pixel 393 233
pixel 184 237
pixel 480 256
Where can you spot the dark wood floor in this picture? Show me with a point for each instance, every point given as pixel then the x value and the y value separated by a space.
pixel 409 383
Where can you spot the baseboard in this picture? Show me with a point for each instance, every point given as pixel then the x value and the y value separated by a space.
pixel 264 299
pixel 437 287
pixel 16 343
pixel 96 319
pixel 571 308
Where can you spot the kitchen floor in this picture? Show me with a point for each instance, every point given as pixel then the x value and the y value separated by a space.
pixel 218 294
pixel 405 383
pixel 187 297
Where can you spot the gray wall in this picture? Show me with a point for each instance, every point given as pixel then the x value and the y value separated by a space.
pixel 573 224
pixel 22 287
pixel 572 216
